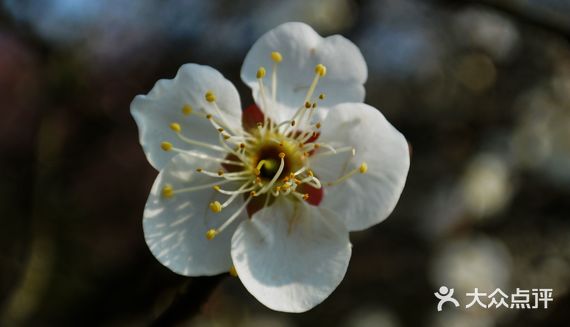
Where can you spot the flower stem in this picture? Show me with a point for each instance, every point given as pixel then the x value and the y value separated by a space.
pixel 189 301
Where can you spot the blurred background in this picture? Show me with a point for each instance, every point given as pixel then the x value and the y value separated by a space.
pixel 481 90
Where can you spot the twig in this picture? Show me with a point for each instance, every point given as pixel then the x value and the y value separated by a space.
pixel 189 302
pixel 542 16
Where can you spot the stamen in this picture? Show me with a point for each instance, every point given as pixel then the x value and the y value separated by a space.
pixel 337 151
pixel 363 168
pixel 233 271
pixel 286 122
pixel 230 150
pixel 187 109
pixel 260 75
pixel 304 137
pixel 205 156
pixel 215 123
pixel 320 71
pixel 167 191
pixel 267 197
pixel 175 127
pixel 294 118
pixel 217 188
pixel 210 234
pixel 299 171
pixel 215 206
pixel 241 190
pixel 210 96
pixel 313 181
pixel 221 174
pixel 166 146
pixel 199 143
pixel 277 58
pixel 301 196
pixel 199 187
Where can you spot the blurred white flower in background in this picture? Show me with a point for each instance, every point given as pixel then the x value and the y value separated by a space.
pixel 486 186
pixel 372 317
pixel 465 264
pixel 471 262
pixel 541 139
pixel 488 30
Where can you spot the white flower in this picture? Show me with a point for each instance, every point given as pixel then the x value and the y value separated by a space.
pixel 274 198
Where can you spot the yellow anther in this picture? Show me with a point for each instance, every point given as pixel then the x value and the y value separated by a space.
pixel 321 70
pixel 317 145
pixel 208 116
pixel 306 196
pixel 318 125
pixel 167 191
pixel 363 168
pixel 261 72
pixel 285 187
pixel 215 206
pixel 220 129
pixel 187 109
pixel 175 127
pixel 199 170
pixel 233 271
pixel 166 146
pixel 221 172
pixel 210 96
pixel 310 172
pixel 278 188
pixel 253 193
pixel 322 96
pixel 226 137
pixel 216 188
pixel 210 234
pixel 281 155
pixel 314 105
pixel 276 56
pixel 307 104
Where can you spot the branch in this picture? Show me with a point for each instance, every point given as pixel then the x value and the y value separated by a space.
pixel 543 15
pixel 188 302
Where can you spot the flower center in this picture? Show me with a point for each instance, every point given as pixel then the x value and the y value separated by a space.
pixel 268 161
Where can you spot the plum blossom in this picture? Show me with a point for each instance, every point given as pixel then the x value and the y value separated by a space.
pixel 269 193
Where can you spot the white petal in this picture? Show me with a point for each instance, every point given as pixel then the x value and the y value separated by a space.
pixel 291 256
pixel 163 105
pixel 302 49
pixel 364 199
pixel 175 228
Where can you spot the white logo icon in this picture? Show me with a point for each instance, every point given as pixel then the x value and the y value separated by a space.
pixel 445 295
